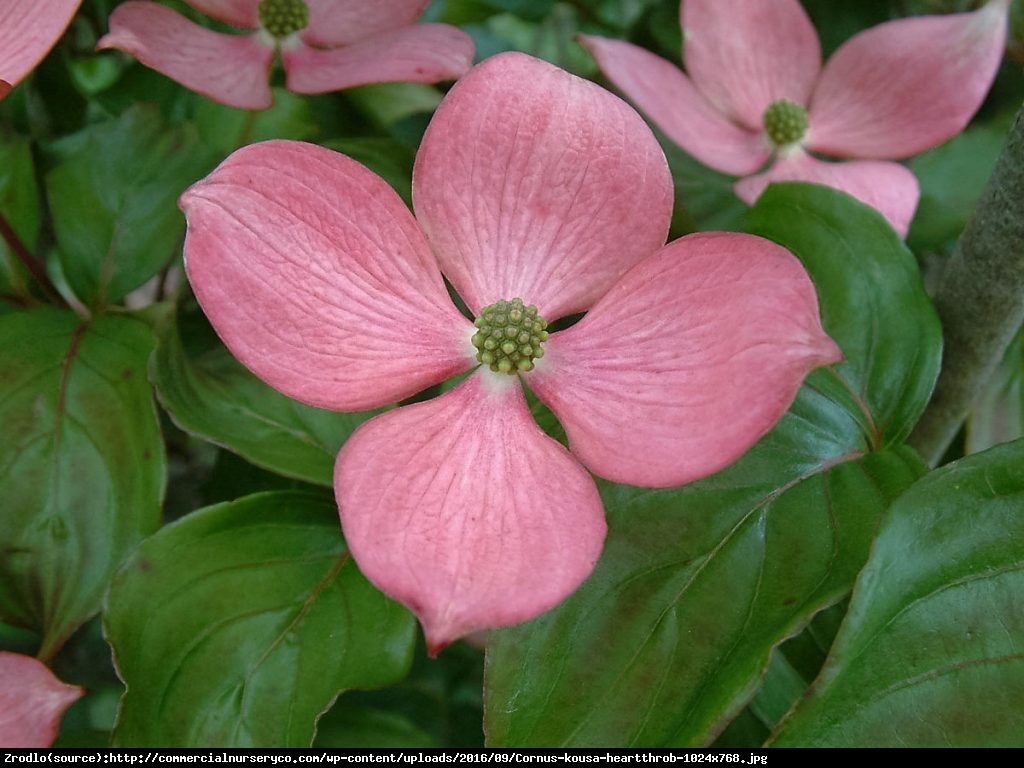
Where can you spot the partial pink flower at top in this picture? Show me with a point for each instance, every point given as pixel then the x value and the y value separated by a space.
pixel 32 701
pixel 325 45
pixel 538 195
pixel 756 91
pixel 27 33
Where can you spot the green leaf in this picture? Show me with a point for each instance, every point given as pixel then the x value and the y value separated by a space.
pixel 873 302
pixel 19 205
pixel 210 394
pixel 952 177
pixel 932 649
pixel 672 634
pixel 262 619
pixel 113 200
pixel 225 129
pixel 669 637
pixel 81 463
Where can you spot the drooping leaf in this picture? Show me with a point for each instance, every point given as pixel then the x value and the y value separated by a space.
pixel 210 394
pixel 932 650
pixel 670 637
pixel 81 463
pixel 113 200
pixel 253 614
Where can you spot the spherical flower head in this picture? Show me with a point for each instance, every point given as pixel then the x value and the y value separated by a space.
pixel 283 18
pixel 755 94
pixel 510 336
pixel 538 195
pixel 324 45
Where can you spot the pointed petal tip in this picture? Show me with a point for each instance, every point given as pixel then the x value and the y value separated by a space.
pixel 468 550
pixel 32 701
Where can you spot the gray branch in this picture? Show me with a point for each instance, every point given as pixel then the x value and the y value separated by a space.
pixel 980 300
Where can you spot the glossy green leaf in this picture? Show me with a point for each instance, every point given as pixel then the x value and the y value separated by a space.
pixel 932 650
pixel 670 637
pixel 210 394
pixel 238 625
pixel 952 177
pixel 872 300
pixel 225 129
pixel 81 463
pixel 113 201
pixel 19 205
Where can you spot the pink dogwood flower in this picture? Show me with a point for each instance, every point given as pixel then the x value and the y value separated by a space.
pixel 325 45
pixel 32 701
pixel 757 92
pixel 538 195
pixel 27 33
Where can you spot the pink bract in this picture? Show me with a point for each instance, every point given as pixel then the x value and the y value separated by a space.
pixel 888 93
pixel 27 33
pixel 529 183
pixel 346 43
pixel 32 702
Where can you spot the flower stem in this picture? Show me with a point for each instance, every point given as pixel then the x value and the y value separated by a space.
pixel 980 300
pixel 30 262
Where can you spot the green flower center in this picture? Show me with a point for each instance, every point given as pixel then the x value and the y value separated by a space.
pixel 509 336
pixel 785 122
pixel 282 18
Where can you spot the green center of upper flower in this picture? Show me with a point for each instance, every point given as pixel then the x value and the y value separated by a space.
pixel 509 336
pixel 785 122
pixel 282 18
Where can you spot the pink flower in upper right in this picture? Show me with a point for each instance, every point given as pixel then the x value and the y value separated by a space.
pixel 757 92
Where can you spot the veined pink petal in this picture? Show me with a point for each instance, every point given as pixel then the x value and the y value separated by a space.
pixel 887 187
pixel 343 22
pixel 231 69
pixel 238 13
pixel 670 100
pixel 687 361
pixel 32 702
pixel 315 275
pixel 745 54
pixel 421 53
pixel 28 30
pixel 534 183
pixel 464 510
pixel 905 86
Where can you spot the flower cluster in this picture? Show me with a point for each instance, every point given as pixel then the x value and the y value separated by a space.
pixel 325 45
pixel 756 92
pixel 538 195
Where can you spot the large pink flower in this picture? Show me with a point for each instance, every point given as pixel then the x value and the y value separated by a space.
pixel 325 45
pixel 27 33
pixel 32 701
pixel 757 91
pixel 538 195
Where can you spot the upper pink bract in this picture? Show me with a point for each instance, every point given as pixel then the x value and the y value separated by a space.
pixel 27 33
pixel 346 43
pixel 888 93
pixel 32 702
pixel 529 183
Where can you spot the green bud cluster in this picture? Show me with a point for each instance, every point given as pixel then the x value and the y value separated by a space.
pixel 509 336
pixel 283 17
pixel 785 122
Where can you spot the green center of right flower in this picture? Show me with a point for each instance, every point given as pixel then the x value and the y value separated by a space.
pixel 785 122
pixel 509 336
pixel 282 18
